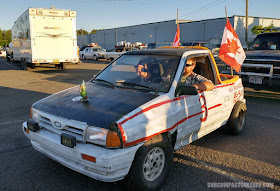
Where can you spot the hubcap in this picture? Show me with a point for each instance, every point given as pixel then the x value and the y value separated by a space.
pixel 153 164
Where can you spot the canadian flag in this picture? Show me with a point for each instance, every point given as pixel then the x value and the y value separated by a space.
pixel 231 51
pixel 176 41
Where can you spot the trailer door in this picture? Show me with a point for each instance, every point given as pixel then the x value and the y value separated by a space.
pixel 53 38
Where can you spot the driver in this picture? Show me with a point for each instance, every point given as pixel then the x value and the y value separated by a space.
pixel 190 78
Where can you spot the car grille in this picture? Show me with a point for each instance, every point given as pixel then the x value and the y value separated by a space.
pixel 275 63
pixel 46 123
pixel 262 70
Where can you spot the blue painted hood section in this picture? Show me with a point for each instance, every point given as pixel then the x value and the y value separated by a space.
pixel 106 104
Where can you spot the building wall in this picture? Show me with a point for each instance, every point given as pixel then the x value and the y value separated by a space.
pixel 210 30
pixel 240 24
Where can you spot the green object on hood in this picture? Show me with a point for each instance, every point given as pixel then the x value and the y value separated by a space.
pixel 83 91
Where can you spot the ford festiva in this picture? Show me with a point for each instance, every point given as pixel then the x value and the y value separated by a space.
pixel 127 127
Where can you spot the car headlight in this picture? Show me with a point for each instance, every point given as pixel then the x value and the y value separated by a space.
pixel 104 137
pixel 34 114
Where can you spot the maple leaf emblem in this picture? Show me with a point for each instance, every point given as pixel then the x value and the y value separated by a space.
pixel 232 46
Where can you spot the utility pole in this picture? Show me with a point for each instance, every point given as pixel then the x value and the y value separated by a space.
pixel 116 36
pixel 82 37
pixel 180 21
pixel 156 35
pixel 246 27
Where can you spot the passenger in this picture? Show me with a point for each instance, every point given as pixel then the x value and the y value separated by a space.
pixel 190 78
pixel 143 72
pixel 271 45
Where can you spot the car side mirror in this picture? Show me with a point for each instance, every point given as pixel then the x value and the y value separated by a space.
pixel 186 90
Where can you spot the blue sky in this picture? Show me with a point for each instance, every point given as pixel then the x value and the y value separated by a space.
pixel 104 14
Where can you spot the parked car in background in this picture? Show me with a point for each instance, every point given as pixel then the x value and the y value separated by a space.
pixel 262 63
pixel 213 48
pixel 94 53
pixel 119 50
pixel 9 51
pixel 152 45
pixel 162 44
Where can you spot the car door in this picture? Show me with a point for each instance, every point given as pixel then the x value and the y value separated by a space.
pixel 85 52
pixel 90 53
pixel 198 114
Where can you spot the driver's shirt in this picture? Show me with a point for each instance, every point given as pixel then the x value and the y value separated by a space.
pixel 193 79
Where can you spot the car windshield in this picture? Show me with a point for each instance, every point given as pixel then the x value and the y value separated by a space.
pixel 142 72
pixel 266 42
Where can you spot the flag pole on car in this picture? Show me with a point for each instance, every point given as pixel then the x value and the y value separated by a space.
pixel 231 51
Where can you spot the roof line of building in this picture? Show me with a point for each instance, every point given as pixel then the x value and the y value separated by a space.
pixel 190 21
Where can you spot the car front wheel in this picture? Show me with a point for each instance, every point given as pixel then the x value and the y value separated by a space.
pixel 151 164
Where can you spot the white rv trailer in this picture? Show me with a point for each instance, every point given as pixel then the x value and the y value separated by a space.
pixel 45 36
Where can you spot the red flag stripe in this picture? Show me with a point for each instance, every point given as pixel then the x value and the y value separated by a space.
pixel 231 62
pixel 231 29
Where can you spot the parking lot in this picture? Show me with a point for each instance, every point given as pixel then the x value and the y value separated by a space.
pixel 252 157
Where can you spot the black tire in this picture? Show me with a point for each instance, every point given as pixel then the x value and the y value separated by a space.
pixel 83 57
pixel 62 65
pixel 23 64
pixel 95 58
pixel 138 178
pixel 8 58
pixel 236 121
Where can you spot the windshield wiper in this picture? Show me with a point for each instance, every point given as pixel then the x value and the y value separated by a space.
pixel 139 85
pixel 101 80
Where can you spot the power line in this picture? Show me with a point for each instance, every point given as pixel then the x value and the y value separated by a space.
pixel 210 5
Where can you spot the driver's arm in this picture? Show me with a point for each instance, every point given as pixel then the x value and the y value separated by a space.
pixel 204 86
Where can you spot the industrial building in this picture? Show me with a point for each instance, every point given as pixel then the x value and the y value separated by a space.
pixel 210 30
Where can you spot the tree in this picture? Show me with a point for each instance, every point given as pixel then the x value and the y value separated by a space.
pixel 5 37
pixel 81 31
pixel 93 31
pixel 258 29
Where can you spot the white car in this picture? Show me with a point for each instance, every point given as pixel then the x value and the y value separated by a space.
pixel 129 127
pixel 118 51
pixel 92 53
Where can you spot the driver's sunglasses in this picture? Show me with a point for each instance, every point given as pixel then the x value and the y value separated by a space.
pixel 144 70
pixel 187 65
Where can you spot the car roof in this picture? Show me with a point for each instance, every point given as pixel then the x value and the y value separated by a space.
pixel 166 51
pixel 267 33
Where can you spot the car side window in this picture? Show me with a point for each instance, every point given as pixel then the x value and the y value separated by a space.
pixel 203 67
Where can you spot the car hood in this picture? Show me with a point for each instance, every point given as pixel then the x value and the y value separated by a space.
pixel 263 54
pixel 105 106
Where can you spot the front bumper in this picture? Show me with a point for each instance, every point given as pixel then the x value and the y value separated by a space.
pixel 111 164
pixel 265 82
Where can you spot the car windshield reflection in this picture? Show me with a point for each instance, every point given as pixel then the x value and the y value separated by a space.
pixel 142 72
